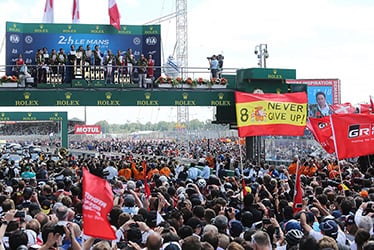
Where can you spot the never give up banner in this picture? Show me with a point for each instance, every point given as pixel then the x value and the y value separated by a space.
pixel 271 114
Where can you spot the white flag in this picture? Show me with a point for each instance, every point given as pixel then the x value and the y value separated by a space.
pixel 48 12
pixel 75 15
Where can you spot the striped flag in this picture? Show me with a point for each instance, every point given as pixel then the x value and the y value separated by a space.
pixel 75 14
pixel 271 114
pixel 48 12
pixel 114 15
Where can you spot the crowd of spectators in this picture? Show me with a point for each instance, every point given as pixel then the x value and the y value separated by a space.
pixel 40 128
pixel 193 204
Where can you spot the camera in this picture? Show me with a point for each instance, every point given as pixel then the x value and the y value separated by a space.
pixel 266 221
pixel 20 214
pixel 220 57
pixel 59 229
pixel 310 199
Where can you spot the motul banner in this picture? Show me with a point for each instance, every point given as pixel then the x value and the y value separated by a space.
pixel 87 129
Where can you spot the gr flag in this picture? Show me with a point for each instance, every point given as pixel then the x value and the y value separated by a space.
pixel 321 130
pixel 298 196
pixel 97 203
pixel 271 114
pixel 354 134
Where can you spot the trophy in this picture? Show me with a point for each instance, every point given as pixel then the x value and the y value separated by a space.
pixel 97 72
pixel 102 73
pixel 59 78
pixel 78 65
pixel 116 76
pixel 48 76
pixel 92 74
pixel 87 71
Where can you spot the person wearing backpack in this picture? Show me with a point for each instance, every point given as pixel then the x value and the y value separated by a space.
pixel 11 172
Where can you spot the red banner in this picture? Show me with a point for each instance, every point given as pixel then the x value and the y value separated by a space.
pixel 321 129
pixel 271 114
pixel 354 134
pixel 97 203
pixel 87 129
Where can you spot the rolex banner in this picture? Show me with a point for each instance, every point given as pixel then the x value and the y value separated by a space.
pixel 271 114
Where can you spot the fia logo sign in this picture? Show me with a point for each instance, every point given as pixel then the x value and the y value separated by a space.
pixel 151 40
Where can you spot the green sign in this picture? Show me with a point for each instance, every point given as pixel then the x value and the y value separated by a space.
pixel 40 116
pixel 81 29
pixel 265 73
pixel 109 97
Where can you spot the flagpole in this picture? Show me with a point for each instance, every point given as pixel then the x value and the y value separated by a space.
pixel 336 150
pixel 241 163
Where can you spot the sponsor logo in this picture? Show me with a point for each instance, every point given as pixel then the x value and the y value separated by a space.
pixel 147 101
pixel 29 51
pixel 69 30
pixel 87 129
pixel 361 130
pixel 28 39
pixel 14 51
pixel 14 38
pixel 150 31
pixel 27 101
pixel 151 40
pixel 275 75
pixel 3 117
pixel 322 125
pixel 41 29
pixel 14 28
pixel 136 40
pixel 124 31
pixel 220 101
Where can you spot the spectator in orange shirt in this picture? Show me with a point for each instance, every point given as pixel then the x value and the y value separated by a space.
pixel 125 172
pixel 152 172
pixel 138 172
pixel 293 166
pixel 165 170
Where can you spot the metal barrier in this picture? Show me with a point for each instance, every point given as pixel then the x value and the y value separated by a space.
pixel 32 75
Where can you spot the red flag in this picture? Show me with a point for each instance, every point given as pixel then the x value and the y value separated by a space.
pixel 75 14
pixel 354 134
pixel 271 114
pixel 365 108
pixel 114 15
pixel 343 108
pixel 244 188
pixel 321 130
pixel 147 190
pixel 298 196
pixel 48 12
pixel 97 203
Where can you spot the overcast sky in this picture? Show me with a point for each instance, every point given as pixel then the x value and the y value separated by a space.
pixel 320 39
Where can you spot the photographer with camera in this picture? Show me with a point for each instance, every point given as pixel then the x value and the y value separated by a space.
pixel 213 66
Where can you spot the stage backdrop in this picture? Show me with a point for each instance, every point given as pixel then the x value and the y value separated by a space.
pixel 27 38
